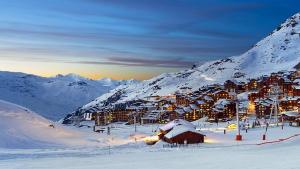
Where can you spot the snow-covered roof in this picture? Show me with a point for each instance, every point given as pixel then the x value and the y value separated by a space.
pixel 200 102
pixel 222 102
pixel 155 114
pixel 179 130
pixel 194 107
pixel 208 98
pixel 289 98
pixel 176 122
pixel 291 113
pixel 296 87
pixel 297 81
pixel 187 109
pixel 179 111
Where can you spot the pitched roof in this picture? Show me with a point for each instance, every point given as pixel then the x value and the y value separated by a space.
pixel 176 122
pixel 177 130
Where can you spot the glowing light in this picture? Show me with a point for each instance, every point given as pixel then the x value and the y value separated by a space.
pixel 151 139
pixel 231 126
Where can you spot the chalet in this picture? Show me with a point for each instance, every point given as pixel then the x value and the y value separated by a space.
pixel 178 113
pixel 264 91
pixel 103 118
pixel 182 100
pixel 263 107
pixel 177 122
pixel 168 107
pixel 154 116
pixel 253 96
pixel 230 85
pixel 273 79
pixel 288 103
pixel 253 84
pixel 204 107
pixel 209 100
pixel 183 134
pixel 188 113
pixel 195 114
pixel 286 86
pixel 290 115
pixel 241 87
pixel 294 75
pixel 221 94
pixel 223 109
pixel 296 90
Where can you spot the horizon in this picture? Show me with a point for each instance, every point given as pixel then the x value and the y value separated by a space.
pixel 128 40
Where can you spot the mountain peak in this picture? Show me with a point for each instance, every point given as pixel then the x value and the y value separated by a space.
pixel 276 52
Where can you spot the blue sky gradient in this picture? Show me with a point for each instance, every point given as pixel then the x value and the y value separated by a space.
pixel 125 39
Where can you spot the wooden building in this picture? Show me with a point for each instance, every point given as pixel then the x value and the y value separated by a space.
pixel 296 90
pixel 183 135
pixel 221 94
pixel 263 108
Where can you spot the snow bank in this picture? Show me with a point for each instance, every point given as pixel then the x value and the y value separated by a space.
pixel 22 128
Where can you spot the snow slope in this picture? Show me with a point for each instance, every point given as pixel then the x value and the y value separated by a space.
pixel 52 97
pixel 278 51
pixel 219 151
pixel 22 128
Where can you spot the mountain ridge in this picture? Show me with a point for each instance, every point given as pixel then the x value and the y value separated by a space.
pixel 276 52
pixel 52 97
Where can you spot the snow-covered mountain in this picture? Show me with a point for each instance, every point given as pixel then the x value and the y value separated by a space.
pixel 22 128
pixel 278 51
pixel 55 96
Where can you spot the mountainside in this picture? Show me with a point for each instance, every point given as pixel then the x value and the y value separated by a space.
pixel 278 51
pixel 22 128
pixel 52 97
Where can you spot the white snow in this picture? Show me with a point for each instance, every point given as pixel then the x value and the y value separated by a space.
pixel 278 51
pixel 52 97
pixel 176 122
pixel 218 151
pixel 27 142
pixel 179 129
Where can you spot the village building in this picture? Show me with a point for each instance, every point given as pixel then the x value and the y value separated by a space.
pixel 182 100
pixel 180 132
pixel 183 135
pixel 286 86
pixel 230 85
pixel 223 109
pixel 221 94
pixel 263 107
pixel 296 90
pixel 288 103
pixel 154 116
pixel 204 106
pixel 252 85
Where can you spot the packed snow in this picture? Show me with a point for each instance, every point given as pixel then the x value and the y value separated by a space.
pixel 219 151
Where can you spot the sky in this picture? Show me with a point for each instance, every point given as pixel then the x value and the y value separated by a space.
pixel 126 39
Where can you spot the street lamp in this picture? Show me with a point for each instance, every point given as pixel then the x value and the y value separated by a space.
pixel 238 135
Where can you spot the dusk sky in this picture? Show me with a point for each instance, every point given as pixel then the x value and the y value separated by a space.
pixel 130 38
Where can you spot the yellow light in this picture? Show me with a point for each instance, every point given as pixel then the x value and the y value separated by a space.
pixel 151 139
pixel 231 126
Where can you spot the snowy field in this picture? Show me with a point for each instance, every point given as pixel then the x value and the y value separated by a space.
pixel 28 142
pixel 219 151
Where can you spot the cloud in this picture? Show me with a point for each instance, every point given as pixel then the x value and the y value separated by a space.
pixel 140 62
